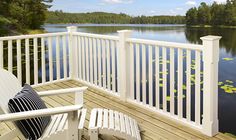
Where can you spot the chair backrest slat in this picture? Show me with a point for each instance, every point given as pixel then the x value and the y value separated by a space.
pixel 9 87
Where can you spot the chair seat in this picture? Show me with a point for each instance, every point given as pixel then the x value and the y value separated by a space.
pixel 104 121
pixel 59 125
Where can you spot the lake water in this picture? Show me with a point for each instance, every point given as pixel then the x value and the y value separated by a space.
pixel 182 34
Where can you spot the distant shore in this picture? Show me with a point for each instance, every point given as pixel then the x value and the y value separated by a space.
pixel 210 26
pixel 137 25
pixel 41 30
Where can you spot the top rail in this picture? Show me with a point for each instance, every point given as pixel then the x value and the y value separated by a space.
pixel 166 44
pixel 109 37
pixel 32 36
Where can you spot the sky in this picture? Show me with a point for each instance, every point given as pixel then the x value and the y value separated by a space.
pixel 130 7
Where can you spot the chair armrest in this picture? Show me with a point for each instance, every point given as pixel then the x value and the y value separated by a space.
pixel 39 113
pixel 62 91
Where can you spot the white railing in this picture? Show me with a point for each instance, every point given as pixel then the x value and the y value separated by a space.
pixel 173 79
pixel 170 79
pixel 35 59
pixel 95 60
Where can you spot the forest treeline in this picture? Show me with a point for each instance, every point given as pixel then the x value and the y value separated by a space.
pixel 19 15
pixel 110 18
pixel 214 14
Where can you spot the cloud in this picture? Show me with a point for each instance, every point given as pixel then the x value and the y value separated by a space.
pixel 173 12
pixel 152 12
pixel 179 8
pixel 101 3
pixel 191 3
pixel 118 1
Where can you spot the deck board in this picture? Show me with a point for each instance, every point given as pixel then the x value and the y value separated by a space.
pixel 153 126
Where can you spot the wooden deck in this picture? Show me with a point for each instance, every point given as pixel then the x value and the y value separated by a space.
pixel 153 126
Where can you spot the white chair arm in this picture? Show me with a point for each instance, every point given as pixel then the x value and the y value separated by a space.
pixel 62 91
pixel 39 113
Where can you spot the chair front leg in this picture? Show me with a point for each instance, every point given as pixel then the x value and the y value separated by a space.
pixel 72 133
pixel 94 134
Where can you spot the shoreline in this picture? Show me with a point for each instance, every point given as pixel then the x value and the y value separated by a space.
pixel 113 24
pixel 140 25
pixel 210 26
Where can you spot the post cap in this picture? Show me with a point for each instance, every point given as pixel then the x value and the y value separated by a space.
pixel 211 38
pixel 71 28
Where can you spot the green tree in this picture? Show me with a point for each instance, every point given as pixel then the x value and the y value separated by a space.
pixel 24 14
pixel 217 14
pixel 230 11
pixel 204 15
pixel 192 16
pixel 110 18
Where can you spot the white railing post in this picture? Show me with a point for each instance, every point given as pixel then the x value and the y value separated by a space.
pixel 123 63
pixel 210 87
pixel 73 65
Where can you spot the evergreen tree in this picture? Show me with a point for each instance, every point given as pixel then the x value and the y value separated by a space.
pixel 110 18
pixel 204 15
pixel 215 14
pixel 192 16
pixel 24 14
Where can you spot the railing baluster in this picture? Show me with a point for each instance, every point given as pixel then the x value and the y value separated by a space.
pixel 19 69
pixel 197 87
pixel 150 76
pixel 64 56
pixel 75 61
pixel 79 57
pixel 43 60
pixel 131 47
pixel 172 81
pixel 164 77
pixel 144 74
pixel 27 61
pixel 35 61
pixel 188 86
pixel 180 83
pixel 99 64
pixel 113 66
pixel 83 56
pixel 91 60
pixel 104 63
pixel 138 73
pixel 58 58
pixel 1 54
pixel 108 66
pixel 157 68
pixel 50 55
pixel 95 61
pixel 87 59
pixel 10 56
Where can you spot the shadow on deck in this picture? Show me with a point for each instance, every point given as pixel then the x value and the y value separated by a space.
pixel 153 126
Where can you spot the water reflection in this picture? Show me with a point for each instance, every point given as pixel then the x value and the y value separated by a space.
pixel 228 41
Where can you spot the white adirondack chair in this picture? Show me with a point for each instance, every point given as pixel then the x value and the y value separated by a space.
pixel 67 122
pixel 109 122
